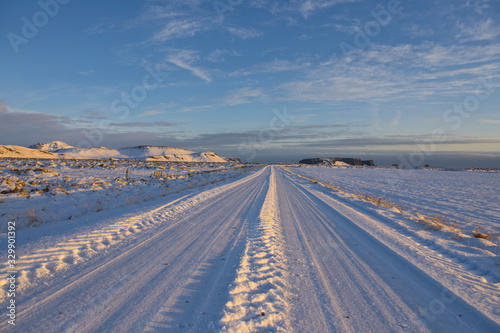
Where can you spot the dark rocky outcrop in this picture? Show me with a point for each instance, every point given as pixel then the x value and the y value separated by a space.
pixel 314 161
pixel 347 160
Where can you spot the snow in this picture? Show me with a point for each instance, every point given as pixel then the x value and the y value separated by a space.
pixel 258 292
pixel 76 248
pixel 146 151
pixel 51 146
pixel 155 153
pixel 341 164
pixel 372 274
pixel 89 153
pixel 18 151
pixel 259 252
pixel 468 198
pixel 193 157
pixel 45 191
pixel 60 149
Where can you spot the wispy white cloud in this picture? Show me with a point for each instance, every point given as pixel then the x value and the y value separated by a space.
pixel 244 33
pixel 479 6
pixel 396 73
pixel 430 55
pixel 305 8
pixel 350 29
pixel 178 29
pixel 85 73
pixel 159 123
pixel 185 59
pixel 195 71
pixel 182 19
pixel 196 108
pixel 104 25
pixel 219 55
pixel 478 31
pixel 309 7
pixel 149 113
pixel 243 96
pixel 275 66
pixel 417 30
pixel 167 10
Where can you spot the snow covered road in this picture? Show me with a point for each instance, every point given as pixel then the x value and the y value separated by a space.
pixel 269 252
pixel 345 279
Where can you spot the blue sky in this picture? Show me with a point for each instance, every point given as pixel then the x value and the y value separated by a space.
pixel 394 81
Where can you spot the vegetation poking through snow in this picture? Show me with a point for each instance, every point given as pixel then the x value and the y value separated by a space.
pixel 479 233
pixel 33 189
pixel 436 222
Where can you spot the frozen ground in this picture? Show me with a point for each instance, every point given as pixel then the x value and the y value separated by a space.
pixel 40 191
pixel 264 252
pixel 469 198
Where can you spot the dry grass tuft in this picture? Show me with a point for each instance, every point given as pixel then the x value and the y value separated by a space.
pixel 435 223
pixel 33 219
pixel 478 233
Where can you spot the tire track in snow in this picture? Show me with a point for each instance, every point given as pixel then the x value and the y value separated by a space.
pixel 88 299
pixel 258 294
pixel 373 286
pixel 75 249
pixel 475 282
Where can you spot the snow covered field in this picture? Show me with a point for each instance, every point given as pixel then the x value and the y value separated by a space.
pixel 468 198
pixel 265 251
pixel 39 191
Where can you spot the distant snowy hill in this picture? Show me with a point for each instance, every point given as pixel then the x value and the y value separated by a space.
pixel 23 152
pixel 341 164
pixel 194 157
pixel 90 153
pixel 150 153
pixel 51 146
pixel 163 153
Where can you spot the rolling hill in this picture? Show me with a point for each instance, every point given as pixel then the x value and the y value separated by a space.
pixel 23 152
pixel 58 149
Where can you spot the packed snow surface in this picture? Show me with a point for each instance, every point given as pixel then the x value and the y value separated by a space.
pixel 266 251
pixel 468 198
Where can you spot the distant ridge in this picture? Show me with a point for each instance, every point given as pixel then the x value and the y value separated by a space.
pixel 153 146
pixel 23 152
pixel 146 151
pixel 340 161
pixel 51 146
pixel 59 149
